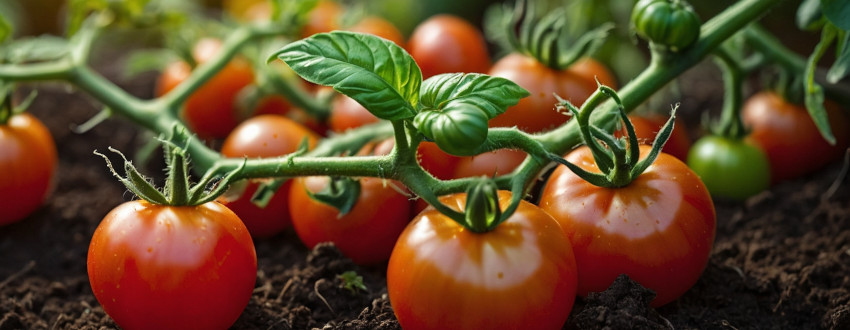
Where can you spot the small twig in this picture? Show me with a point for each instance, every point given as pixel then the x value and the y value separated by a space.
pixel 28 267
pixel 285 288
pixel 56 323
pixel 316 290
pixel 840 179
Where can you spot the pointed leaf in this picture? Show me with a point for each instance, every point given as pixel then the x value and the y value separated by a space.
pixel 493 95
pixel 809 15
pixel 814 92
pixel 837 12
pixel 375 72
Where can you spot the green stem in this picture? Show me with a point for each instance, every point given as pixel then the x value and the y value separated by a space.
pixel 730 125
pixel 299 98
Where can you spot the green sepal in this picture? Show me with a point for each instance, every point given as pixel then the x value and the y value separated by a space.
pixel 266 191
pixel 657 145
pixel 841 67
pixel 814 95
pixel 482 205
pixel 341 193
pixel 375 72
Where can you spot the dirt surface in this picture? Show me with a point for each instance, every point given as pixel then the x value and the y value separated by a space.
pixel 781 259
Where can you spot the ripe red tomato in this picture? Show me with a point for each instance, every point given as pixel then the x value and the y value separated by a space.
pixel 521 275
pixel 497 162
pixel 789 137
pixel 380 27
pixel 536 113
pixel 366 234
pixel 436 161
pixel 647 127
pixel 259 137
pixel 211 111
pixel 658 230
pixel 346 114
pixel 448 44
pixel 172 267
pixel 272 105
pixel 593 70
pixel 27 163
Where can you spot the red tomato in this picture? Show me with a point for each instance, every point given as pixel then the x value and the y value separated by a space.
pixel 593 70
pixel 379 27
pixel 448 44
pixel 789 137
pixel 346 114
pixel 497 162
pixel 259 137
pixel 646 128
pixel 172 267
pixel 521 275
pixel 536 113
pixel 27 163
pixel 436 161
pixel 658 230
pixel 211 111
pixel 324 17
pixel 366 234
pixel 272 105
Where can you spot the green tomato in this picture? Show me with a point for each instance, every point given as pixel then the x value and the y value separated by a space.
pixel 457 131
pixel 730 168
pixel 672 23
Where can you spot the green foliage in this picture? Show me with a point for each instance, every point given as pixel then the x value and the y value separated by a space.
pixel 493 95
pixel 341 192
pixel 352 282
pixel 34 49
pixel 837 12
pixel 375 72
pixel 5 29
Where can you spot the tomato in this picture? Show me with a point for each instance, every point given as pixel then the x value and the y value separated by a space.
pixel 346 114
pixel 497 162
pixel 380 27
pixel 436 161
pixel 789 137
pixel 27 163
pixel 211 110
pixel 664 22
pixel 272 105
pixel 658 230
pixel 324 17
pixel 647 127
pixel 521 275
pixel 448 44
pixel 593 70
pixel 537 113
pixel 258 137
pixel 730 168
pixel 172 267
pixel 366 234
pixel 248 10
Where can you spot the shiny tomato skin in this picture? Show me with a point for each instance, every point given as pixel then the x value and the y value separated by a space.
pixel 658 230
pixel 27 163
pixel 172 267
pixel 366 234
pixel 211 110
pixel 789 137
pixel 521 275
pixel 346 114
pixel 448 44
pixel 491 164
pixel 262 137
pixel 380 27
pixel 593 70
pixel 730 168
pixel 536 113
pixel 647 128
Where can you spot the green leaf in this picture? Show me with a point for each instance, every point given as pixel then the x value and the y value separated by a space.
pixel 837 12
pixel 5 28
pixel 814 92
pixel 493 95
pixel 34 49
pixel 341 192
pixel 841 67
pixel 375 72
pixel 809 15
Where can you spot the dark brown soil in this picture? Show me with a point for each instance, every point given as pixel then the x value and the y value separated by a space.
pixel 781 259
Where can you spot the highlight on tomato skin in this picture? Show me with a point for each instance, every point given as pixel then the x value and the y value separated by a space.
pixel 521 275
pixel 172 267
pixel 28 160
pixel 447 44
pixel 261 137
pixel 658 230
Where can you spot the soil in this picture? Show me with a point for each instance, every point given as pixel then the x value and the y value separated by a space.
pixel 781 259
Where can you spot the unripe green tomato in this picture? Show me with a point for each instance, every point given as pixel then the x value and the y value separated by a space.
pixel 458 131
pixel 730 168
pixel 671 23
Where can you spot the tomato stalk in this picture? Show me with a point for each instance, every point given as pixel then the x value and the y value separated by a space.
pixel 730 124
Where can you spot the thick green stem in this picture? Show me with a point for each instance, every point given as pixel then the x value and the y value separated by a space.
pixel 730 124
